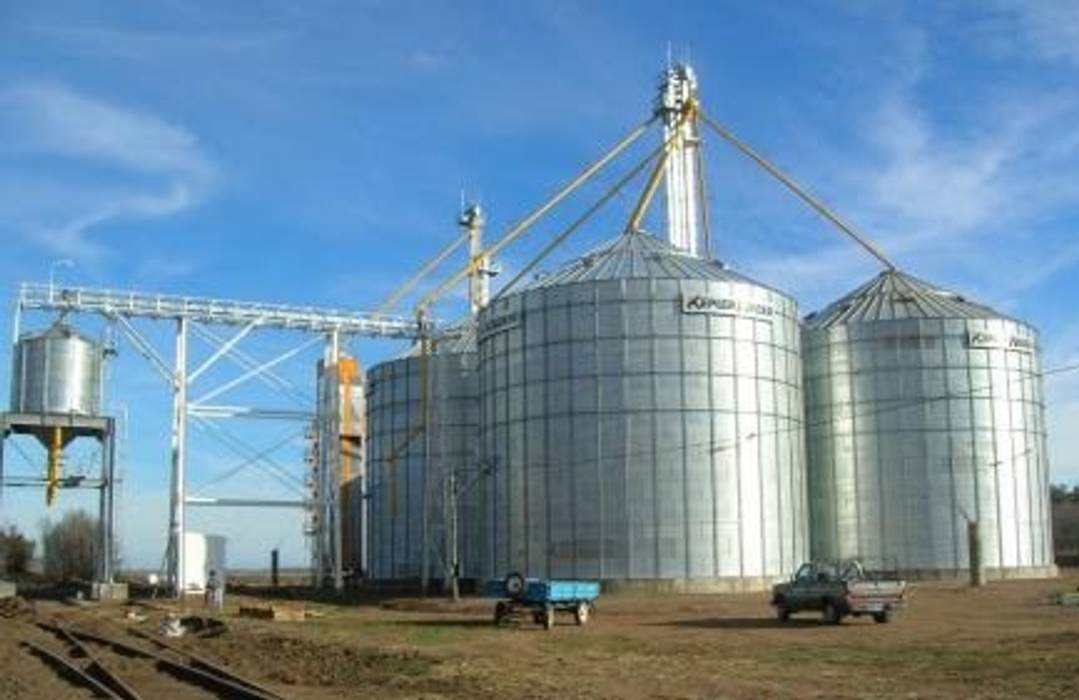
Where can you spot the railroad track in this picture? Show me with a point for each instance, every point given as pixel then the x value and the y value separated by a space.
pixel 80 663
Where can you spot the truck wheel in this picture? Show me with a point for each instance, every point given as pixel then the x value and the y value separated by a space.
pixel 548 617
pixel 832 616
pixel 783 613
pixel 882 617
pixel 581 613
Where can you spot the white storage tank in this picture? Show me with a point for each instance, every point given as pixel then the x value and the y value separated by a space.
pixel 925 410
pixel 202 554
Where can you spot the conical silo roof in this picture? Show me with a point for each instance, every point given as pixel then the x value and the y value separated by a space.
pixel 637 255
pixel 57 330
pixel 894 295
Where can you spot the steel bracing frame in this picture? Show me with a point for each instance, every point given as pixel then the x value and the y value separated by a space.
pixel 196 316
pixel 102 430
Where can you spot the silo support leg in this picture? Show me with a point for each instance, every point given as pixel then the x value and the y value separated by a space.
pixel 179 444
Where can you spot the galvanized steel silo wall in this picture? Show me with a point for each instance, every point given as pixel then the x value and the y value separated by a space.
pixel 631 437
pixel 915 425
pixel 56 371
pixel 398 486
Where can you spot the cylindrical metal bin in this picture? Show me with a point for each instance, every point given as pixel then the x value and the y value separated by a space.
pixel 641 423
pixel 56 371
pixel 924 411
pixel 407 492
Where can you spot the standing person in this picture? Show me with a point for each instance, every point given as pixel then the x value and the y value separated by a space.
pixel 215 591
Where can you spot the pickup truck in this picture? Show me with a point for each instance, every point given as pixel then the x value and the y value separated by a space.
pixel 838 589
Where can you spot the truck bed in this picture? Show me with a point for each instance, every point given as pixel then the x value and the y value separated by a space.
pixel 875 596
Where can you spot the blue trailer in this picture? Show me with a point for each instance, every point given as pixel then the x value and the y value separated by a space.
pixel 542 599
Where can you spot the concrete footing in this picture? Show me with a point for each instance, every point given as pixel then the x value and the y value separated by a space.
pixel 100 590
pixel 749 584
pixel 990 573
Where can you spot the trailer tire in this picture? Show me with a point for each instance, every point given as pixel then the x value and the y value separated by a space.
pixel 515 585
pixel 582 612
pixel 501 612
pixel 883 617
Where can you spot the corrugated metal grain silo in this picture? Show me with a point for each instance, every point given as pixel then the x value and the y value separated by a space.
pixel 924 410
pixel 57 370
pixel 641 421
pixel 405 490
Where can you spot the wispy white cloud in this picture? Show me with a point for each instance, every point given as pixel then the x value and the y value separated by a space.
pixel 54 120
pixel 118 164
pixel 961 201
pixel 974 191
pixel 1048 28
pixel 70 238
pixel 975 177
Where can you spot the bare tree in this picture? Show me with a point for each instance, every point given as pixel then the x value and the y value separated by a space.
pixel 71 547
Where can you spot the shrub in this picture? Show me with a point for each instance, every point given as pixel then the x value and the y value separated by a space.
pixel 16 551
pixel 1060 493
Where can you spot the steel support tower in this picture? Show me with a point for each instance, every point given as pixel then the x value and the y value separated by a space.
pixel 99 428
pixel 188 314
pixel 676 105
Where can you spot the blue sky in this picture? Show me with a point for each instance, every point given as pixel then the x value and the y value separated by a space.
pixel 314 153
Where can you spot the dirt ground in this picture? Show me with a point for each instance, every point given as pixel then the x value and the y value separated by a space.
pixel 1006 640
